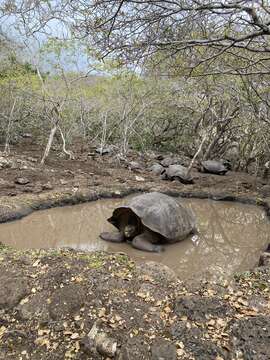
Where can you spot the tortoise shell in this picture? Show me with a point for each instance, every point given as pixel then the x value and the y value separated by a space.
pixel 160 213
pixel 214 167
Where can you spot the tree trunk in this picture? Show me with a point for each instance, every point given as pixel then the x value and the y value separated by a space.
pixel 196 155
pixel 49 144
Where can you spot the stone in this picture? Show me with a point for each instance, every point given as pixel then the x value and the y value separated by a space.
pixel 157 271
pixel 22 181
pixel 88 346
pixel 134 349
pixel 97 341
pixel 199 309
pixel 265 259
pixel 162 349
pixel 66 301
pixel 5 163
pixel 104 150
pixel 36 308
pixel 4 183
pixel 105 345
pixel 139 178
pixel 47 186
pixel 251 337
pixel 12 290
pixel 265 191
pixel 134 165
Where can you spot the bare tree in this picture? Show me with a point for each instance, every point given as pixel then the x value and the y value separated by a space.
pixel 135 30
pixel 205 30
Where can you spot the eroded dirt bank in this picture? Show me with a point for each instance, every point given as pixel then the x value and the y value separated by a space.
pixel 65 304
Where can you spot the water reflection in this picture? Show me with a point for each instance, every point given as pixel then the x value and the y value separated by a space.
pixel 230 236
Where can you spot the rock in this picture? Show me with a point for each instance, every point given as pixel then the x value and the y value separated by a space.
pixel 47 186
pixel 4 183
pixel 36 308
pixel 266 170
pixel 22 181
pixel 88 346
pixel 134 349
pixel 265 191
pixel 66 301
pixel 28 189
pixel 32 159
pixel 26 136
pixel 104 150
pixel 162 349
pixel 12 290
pixel 5 163
pixel 134 165
pixel 157 169
pixel 98 341
pixel 250 336
pixel 139 178
pixel 199 309
pixel 151 290
pixel 265 259
pixel 105 345
pixel 157 271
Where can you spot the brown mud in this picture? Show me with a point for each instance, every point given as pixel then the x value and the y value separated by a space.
pixel 60 304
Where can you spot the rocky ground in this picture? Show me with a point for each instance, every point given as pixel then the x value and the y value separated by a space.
pixel 65 304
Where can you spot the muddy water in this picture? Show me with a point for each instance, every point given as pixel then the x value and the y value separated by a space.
pixel 230 238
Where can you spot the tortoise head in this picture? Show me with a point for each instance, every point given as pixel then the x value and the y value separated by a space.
pixel 130 230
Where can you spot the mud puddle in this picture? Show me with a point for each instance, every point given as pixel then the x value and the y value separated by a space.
pixel 230 239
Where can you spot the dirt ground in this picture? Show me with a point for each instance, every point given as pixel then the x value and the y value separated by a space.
pixel 91 170
pixel 70 305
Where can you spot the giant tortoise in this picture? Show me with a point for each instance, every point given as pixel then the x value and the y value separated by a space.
pixel 216 167
pixel 177 172
pixel 149 220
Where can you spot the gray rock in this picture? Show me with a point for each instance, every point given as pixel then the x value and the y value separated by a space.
pixel 35 308
pixel 162 349
pixel 47 186
pixel 66 301
pixel 5 163
pixel 4 183
pixel 12 290
pixel 22 181
pixel 265 191
pixel 199 309
pixel 104 150
pixel 134 349
pixel 265 259
pixel 250 336
pixel 157 271
pixel 105 345
pixel 88 346
pixel 134 165
pixel 98 342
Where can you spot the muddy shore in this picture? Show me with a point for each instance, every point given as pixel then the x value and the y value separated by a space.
pixel 62 304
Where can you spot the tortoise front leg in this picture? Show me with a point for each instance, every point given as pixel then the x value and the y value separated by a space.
pixel 141 242
pixel 115 237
